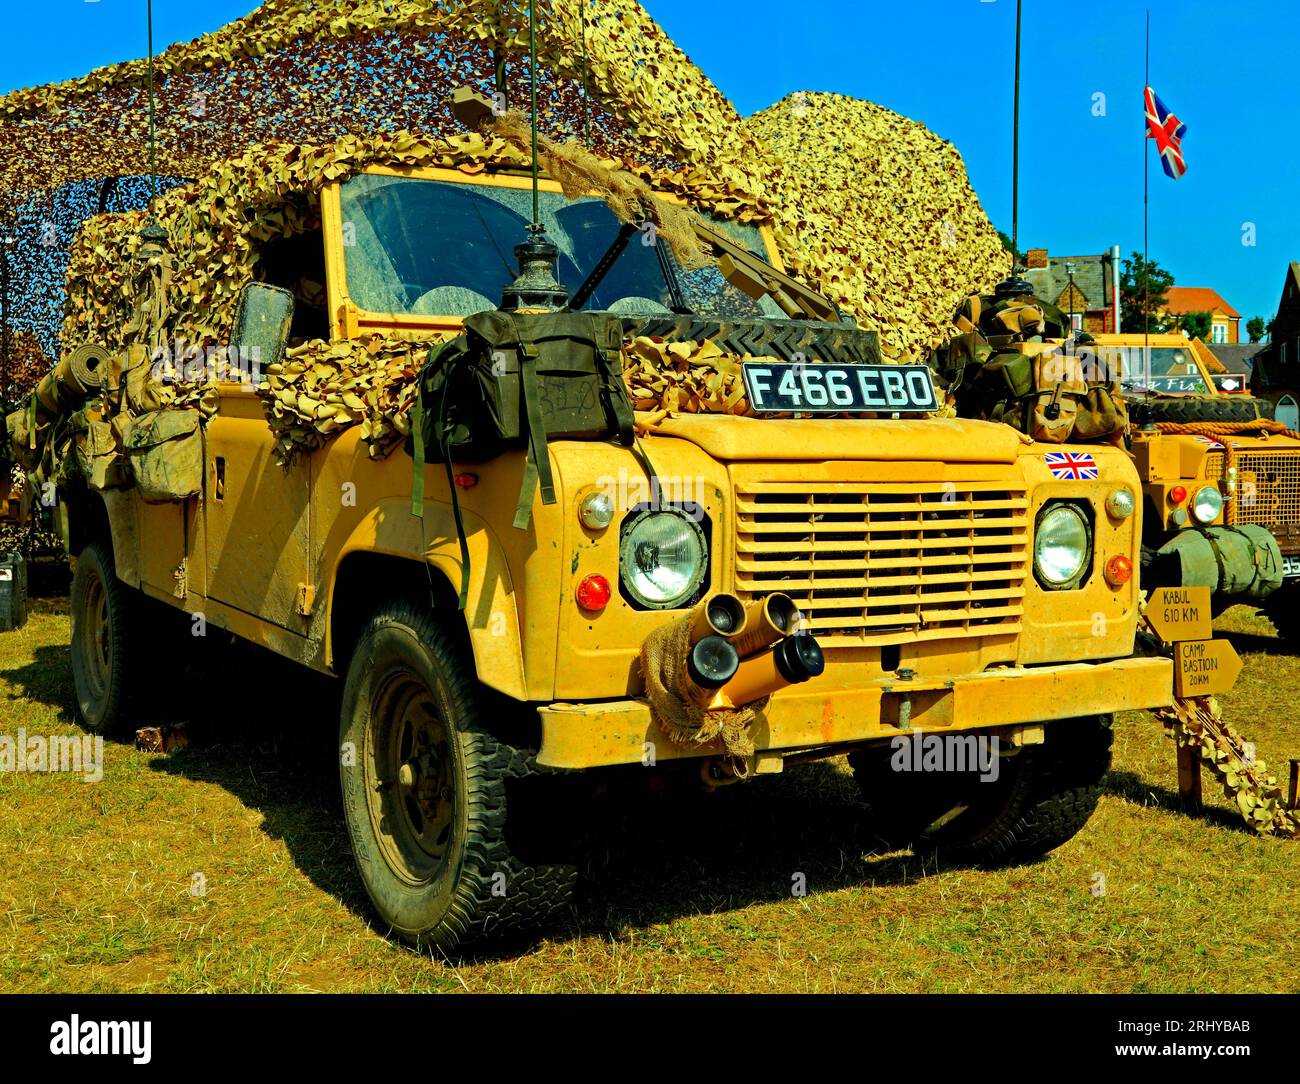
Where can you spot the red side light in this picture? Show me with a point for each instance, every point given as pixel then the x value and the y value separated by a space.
pixel 1119 570
pixel 466 481
pixel 593 592
pixel 1178 494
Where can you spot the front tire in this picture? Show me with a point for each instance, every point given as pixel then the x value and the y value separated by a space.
pixel 426 789
pixel 1043 796
pixel 1282 608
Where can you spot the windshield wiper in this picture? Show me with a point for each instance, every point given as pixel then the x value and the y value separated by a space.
pixel 583 293
pixel 616 249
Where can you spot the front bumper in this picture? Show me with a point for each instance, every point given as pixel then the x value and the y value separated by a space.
pixel 592 735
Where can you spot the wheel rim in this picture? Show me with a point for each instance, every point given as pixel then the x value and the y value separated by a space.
pixel 409 778
pixel 94 641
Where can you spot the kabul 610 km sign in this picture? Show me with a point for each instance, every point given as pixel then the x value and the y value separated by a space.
pixel 1180 613
pixel 783 387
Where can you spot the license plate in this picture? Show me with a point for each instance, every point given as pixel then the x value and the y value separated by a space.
pixel 787 387
pixel 1291 566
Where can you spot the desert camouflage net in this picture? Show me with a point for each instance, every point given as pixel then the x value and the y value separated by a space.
pixel 877 210
pixel 353 75
pixel 321 388
pixel 1199 724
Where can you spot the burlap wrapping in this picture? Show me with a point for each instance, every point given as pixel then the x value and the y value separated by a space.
pixel 663 667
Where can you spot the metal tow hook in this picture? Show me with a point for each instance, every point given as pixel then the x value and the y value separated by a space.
pixel 905 700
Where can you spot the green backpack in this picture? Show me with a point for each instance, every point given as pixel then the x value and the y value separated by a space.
pixel 515 380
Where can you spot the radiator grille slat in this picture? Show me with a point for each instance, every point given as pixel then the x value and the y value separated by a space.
pixel 873 564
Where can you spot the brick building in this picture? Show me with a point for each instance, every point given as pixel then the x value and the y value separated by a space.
pixel 1081 286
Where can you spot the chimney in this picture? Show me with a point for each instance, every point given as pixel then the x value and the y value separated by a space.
pixel 1036 257
pixel 1114 286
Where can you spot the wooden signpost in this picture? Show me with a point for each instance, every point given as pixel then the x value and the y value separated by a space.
pixel 1203 666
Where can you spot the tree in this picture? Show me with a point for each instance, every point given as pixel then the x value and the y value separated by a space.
pixel 1255 328
pixel 1195 324
pixel 1006 244
pixel 1143 290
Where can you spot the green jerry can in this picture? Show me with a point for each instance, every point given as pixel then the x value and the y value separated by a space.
pixel 13 592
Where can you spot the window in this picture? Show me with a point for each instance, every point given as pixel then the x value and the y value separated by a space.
pixel 1288 412
pixel 297 264
pixel 441 248
pixel 1169 370
pixel 1076 321
pixel 1219 333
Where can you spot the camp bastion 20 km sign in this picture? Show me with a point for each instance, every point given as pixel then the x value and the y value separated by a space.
pixel 1181 616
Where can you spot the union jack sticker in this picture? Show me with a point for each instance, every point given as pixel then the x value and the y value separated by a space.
pixel 1218 443
pixel 1075 466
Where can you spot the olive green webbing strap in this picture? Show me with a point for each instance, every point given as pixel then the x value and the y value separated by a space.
pixel 616 391
pixel 537 467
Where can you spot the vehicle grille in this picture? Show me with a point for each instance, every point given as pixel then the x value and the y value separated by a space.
pixel 877 564
pixel 1268 486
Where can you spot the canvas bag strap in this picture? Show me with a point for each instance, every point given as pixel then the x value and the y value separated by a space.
pixel 537 467
pixel 608 341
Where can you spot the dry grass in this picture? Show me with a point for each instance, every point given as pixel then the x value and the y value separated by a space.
pixel 687 894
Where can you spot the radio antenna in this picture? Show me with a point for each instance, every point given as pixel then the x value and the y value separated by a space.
pixel 153 138
pixel 1015 156
pixel 532 90
pixel 535 286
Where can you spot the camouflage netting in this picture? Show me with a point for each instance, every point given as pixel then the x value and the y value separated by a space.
pixel 329 86
pixel 878 211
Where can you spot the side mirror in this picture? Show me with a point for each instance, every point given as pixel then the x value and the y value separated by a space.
pixel 261 326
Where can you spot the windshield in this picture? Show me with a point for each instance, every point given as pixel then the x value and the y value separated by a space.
pixel 439 248
pixel 1173 369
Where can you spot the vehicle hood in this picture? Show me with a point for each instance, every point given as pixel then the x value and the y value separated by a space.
pixel 928 440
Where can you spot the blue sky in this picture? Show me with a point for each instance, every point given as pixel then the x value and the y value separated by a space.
pixel 1226 69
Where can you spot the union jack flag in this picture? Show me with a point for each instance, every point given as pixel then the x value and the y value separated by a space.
pixel 1076 466
pixel 1168 131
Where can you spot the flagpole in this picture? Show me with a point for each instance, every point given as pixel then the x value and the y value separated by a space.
pixel 1146 204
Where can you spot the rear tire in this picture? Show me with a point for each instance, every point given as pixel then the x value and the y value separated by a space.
pixel 105 647
pixel 426 792
pixel 1043 796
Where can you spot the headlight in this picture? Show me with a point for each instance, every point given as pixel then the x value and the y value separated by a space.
pixel 1207 504
pixel 1061 546
pixel 662 558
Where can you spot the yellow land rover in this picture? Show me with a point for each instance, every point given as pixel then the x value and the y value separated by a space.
pixel 483 578
pixel 1220 480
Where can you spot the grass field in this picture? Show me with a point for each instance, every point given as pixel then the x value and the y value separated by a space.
pixel 681 894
